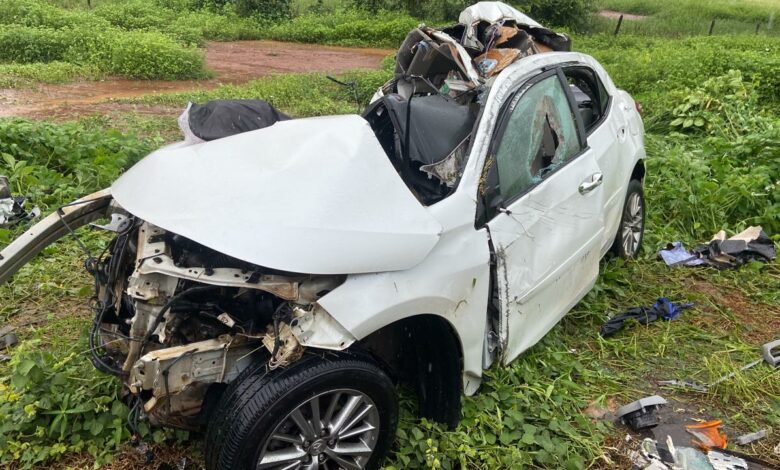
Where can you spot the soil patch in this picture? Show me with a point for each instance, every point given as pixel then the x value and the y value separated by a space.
pixel 756 322
pixel 612 14
pixel 231 62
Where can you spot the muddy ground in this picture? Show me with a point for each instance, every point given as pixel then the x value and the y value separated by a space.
pixel 230 62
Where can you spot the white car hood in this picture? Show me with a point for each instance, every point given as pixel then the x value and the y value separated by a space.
pixel 316 196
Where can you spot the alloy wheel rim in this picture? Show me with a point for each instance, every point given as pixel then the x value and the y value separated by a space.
pixel 335 429
pixel 633 220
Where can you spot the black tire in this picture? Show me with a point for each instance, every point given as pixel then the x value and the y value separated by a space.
pixel 632 223
pixel 260 401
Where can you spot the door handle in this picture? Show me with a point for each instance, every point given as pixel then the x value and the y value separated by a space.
pixel 591 183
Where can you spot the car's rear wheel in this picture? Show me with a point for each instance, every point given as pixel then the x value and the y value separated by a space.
pixel 338 411
pixel 628 240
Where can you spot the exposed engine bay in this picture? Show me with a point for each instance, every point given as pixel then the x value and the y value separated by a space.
pixel 174 318
pixel 177 320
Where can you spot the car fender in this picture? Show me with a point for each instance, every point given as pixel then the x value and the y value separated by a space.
pixel 452 282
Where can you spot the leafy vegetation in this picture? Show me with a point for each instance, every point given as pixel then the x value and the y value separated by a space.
pixel 713 143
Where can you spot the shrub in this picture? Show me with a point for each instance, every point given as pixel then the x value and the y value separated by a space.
pixel 40 13
pixel 135 15
pixel 49 409
pixel 55 164
pixel 19 75
pixel 270 9
pixel 31 44
pixel 574 14
pixel 731 177
pixel 345 28
pixel 150 55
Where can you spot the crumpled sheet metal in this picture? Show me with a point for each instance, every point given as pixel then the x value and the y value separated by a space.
pixel 490 12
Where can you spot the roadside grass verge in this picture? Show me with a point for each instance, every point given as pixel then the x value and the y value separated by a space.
pixel 692 17
pixel 14 75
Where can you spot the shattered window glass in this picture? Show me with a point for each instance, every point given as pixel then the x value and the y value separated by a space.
pixel 540 137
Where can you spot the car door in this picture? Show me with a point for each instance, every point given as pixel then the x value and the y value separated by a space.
pixel 606 133
pixel 543 206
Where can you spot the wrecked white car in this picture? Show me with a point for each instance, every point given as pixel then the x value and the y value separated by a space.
pixel 274 286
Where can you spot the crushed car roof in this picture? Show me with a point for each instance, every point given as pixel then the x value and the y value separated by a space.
pixel 315 196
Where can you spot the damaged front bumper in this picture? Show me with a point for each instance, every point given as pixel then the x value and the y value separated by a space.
pixel 175 319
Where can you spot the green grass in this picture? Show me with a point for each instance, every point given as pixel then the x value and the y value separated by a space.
pixel 28 75
pixel 747 10
pixel 693 17
pixel 721 171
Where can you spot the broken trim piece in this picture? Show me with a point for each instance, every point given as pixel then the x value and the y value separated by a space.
pixel 49 230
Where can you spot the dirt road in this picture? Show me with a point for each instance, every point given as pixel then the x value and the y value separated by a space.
pixel 231 62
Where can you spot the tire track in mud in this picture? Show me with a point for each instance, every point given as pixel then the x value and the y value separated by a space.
pixel 231 62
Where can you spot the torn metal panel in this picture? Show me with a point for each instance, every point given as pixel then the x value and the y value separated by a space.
pixel 154 257
pixel 317 328
pixel 173 370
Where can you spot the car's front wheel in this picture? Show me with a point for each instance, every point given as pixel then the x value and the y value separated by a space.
pixel 323 412
pixel 628 241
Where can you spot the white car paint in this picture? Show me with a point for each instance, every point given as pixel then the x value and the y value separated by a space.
pixel 453 280
pixel 315 196
pixel 320 196
pixel 492 12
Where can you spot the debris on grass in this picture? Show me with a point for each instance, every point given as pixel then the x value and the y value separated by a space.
pixel 12 209
pixel 640 414
pixel 752 244
pixel 707 435
pixel 662 309
pixel 751 437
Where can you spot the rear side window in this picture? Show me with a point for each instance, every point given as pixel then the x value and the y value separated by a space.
pixel 589 93
pixel 540 136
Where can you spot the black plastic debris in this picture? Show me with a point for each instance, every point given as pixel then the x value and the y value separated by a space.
pixel 752 244
pixel 223 118
pixel 662 309
pixel 639 414
pixel 12 208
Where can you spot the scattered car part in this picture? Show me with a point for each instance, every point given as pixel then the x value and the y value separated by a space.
pixel 640 414
pixel 771 355
pixel 752 244
pixel 686 384
pixel 5 188
pixel 12 211
pixel 771 352
pixel 707 435
pixel 8 340
pixel 721 461
pixel 748 438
